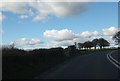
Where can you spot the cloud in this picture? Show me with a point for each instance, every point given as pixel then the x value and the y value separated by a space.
pixel 27 42
pixel 15 7
pixel 65 43
pixel 40 17
pixel 43 10
pixel 2 17
pixel 67 9
pixel 87 34
pixel 67 37
pixel 70 42
pixel 60 35
pixel 58 9
pixel 95 33
pixel 62 43
pixel 23 16
pixel 81 39
pixel 111 40
pixel 110 31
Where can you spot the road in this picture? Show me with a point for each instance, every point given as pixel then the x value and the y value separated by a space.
pixel 92 66
pixel 116 56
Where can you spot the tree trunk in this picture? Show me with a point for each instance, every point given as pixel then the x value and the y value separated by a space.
pixel 95 47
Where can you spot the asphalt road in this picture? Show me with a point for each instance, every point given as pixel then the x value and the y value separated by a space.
pixel 116 55
pixel 93 66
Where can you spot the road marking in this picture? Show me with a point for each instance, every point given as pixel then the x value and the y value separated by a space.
pixel 112 60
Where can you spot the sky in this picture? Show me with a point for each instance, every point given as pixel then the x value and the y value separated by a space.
pixel 31 25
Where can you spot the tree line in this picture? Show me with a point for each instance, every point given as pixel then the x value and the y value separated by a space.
pixel 101 42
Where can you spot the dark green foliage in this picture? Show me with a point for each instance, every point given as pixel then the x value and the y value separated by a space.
pixel 88 45
pixel 19 64
pixel 80 46
pixel 95 42
pixel 103 43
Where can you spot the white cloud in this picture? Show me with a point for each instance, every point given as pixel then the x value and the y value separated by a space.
pixel 23 16
pixel 60 35
pixel 66 9
pixel 63 37
pixel 62 43
pixel 70 42
pixel 40 17
pixel 110 31
pixel 2 17
pixel 81 39
pixel 65 43
pixel 95 33
pixel 27 42
pixel 15 7
pixel 86 34
pixel 111 40
pixel 35 41
pixel 42 10
pixel 66 37
pixel 58 9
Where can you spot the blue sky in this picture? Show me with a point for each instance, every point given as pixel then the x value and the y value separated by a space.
pixel 40 30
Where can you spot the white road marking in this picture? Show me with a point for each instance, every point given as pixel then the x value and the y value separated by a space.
pixel 109 57
pixel 113 58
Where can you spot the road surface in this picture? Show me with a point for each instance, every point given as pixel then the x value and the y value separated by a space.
pixel 97 65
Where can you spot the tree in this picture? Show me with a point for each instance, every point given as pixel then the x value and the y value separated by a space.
pixel 116 37
pixel 95 42
pixel 12 46
pixel 80 46
pixel 88 44
pixel 85 45
pixel 103 43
